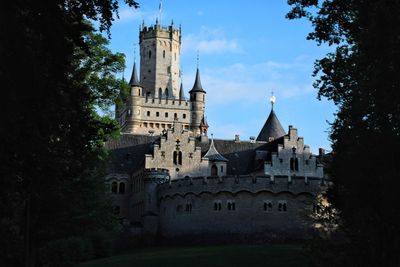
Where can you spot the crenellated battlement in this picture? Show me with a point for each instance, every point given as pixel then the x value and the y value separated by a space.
pixel 253 184
pixel 158 31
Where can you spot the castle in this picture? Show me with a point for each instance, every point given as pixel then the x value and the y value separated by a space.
pixel 168 179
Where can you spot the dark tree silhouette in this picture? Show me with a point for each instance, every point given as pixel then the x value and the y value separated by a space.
pixel 362 77
pixel 52 139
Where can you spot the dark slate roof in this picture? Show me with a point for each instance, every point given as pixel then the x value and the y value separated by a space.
pixel 271 128
pixel 181 94
pixel 213 154
pixel 197 84
pixel 134 81
pixel 240 154
pixel 127 152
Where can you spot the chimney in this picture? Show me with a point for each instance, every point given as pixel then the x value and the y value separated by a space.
pixel 237 139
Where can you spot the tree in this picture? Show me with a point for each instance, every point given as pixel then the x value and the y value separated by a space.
pixel 52 138
pixel 362 78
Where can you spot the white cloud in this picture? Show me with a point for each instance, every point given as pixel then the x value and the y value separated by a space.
pixel 210 41
pixel 129 14
pixel 252 84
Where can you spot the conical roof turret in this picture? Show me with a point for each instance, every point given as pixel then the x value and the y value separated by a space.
pixel 134 81
pixel 213 154
pixel 197 84
pixel 272 129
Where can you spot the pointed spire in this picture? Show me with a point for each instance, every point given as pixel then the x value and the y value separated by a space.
pixel 204 122
pixel 134 81
pixel 272 129
pixel 181 95
pixel 197 84
pixel 213 154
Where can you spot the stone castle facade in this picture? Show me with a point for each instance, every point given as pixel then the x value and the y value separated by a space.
pixel 168 179
pixel 158 99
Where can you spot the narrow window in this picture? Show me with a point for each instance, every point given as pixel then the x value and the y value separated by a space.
pixel 184 116
pixel 122 188
pixel 166 114
pixel 296 164
pixel 219 206
pixel 166 93
pixel 149 53
pixel 148 113
pixel 284 206
pixel 175 157
pixel 175 115
pixel 229 206
pixel 159 93
pixel 163 53
pixel 157 114
pixel 215 206
pixel 114 187
pixel 222 169
pixel 180 157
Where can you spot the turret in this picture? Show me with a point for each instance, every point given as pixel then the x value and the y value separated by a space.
pixel 197 99
pixel 133 103
pixel 272 128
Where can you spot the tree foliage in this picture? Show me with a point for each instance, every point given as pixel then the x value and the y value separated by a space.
pixel 54 71
pixel 362 77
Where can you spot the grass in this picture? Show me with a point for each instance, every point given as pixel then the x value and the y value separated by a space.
pixel 215 256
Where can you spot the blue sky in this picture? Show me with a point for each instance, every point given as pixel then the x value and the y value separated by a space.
pixel 247 49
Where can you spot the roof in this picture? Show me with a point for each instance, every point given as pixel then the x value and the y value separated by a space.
pixel 213 154
pixel 272 128
pixel 127 152
pixel 240 154
pixel 181 94
pixel 197 84
pixel 134 81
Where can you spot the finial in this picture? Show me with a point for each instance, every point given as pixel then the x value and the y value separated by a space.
pixel 156 21
pixel 197 58
pixel 272 99
pixel 172 22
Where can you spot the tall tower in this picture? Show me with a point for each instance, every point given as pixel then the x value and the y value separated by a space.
pixel 159 61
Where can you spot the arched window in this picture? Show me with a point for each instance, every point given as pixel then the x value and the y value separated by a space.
pixel 229 206
pixel 180 157
pixel 222 169
pixel 139 92
pixel 215 206
pixel 284 207
pixel 175 115
pixel 214 170
pixel 163 53
pixel 175 157
pixel 122 188
pixel 159 93
pixel 149 53
pixel 166 93
pixel 166 115
pixel 294 164
pixel 114 187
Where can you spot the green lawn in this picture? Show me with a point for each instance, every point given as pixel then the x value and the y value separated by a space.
pixel 237 255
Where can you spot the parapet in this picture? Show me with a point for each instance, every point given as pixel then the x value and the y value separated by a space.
pixel 234 184
pixel 157 31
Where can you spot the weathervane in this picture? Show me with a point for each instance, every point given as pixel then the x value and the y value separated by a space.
pixel 160 10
